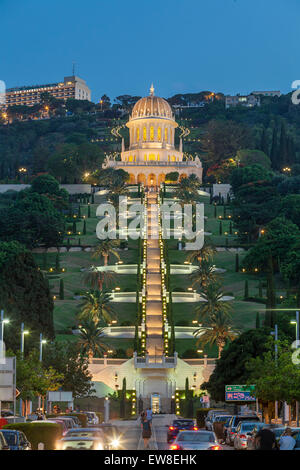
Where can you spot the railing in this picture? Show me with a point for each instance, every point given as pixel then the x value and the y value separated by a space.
pixel 151 163
pixel 155 362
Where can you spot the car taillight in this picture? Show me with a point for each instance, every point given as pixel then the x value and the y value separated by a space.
pixel 215 448
pixel 242 436
pixel 171 428
pixel 232 432
pixel 175 447
pixel 195 429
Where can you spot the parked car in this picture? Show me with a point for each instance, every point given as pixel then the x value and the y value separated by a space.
pixel 112 435
pixel 234 421
pixel 196 440
pixel 180 425
pixel 92 418
pixel 3 443
pixel 16 440
pixel 211 414
pixel 241 434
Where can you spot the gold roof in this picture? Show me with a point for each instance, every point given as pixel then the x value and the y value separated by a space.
pixel 152 106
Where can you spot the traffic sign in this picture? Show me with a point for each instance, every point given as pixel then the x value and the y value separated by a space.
pixel 239 393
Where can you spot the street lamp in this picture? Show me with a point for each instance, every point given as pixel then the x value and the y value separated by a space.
pixel 23 333
pixel 2 323
pixel 275 334
pixel 42 341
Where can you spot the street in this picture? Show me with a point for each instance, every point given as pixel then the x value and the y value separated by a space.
pixel 132 436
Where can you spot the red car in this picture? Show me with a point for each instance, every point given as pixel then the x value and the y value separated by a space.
pixel 180 425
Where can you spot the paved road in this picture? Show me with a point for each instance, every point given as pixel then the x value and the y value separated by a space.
pixel 132 436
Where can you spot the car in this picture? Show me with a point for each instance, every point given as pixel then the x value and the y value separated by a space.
pixel 62 422
pixel 196 440
pixel 3 443
pixel 234 421
pixel 218 419
pixel 92 418
pixel 81 443
pixel 251 436
pixel 16 440
pixel 210 416
pixel 112 436
pixel 69 421
pixel 180 425
pixel 241 434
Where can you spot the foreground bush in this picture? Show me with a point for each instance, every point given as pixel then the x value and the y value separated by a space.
pixel 46 433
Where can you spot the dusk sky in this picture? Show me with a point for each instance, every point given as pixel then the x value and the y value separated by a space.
pixel 121 46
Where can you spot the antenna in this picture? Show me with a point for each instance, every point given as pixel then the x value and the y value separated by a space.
pixel 73 68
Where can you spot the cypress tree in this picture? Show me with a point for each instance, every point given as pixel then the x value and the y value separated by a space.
pixel 61 290
pixel 274 151
pixel 246 290
pixel 68 243
pixel 257 321
pixel 220 227
pixel 283 157
pixel 89 211
pixel 74 227
pixel 237 263
pixel 215 211
pixel 224 212
pixel 93 198
pixel 230 228
pixel 84 227
pixel 45 260
pixel 79 210
pixel 57 263
pixel 264 147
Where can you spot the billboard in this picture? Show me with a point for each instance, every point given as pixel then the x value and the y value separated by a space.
pixel 239 393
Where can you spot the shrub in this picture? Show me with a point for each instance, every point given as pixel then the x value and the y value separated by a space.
pixel 47 433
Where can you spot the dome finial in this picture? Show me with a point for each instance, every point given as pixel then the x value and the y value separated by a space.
pixel 152 90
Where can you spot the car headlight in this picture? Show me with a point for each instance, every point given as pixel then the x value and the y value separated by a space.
pixel 115 443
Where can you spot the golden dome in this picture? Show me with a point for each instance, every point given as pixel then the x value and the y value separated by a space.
pixel 152 106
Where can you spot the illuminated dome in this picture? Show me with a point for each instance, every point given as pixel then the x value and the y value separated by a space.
pixel 152 106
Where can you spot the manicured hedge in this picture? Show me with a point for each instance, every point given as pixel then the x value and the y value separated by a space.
pixel 47 433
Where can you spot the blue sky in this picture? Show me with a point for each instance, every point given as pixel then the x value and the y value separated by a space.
pixel 122 46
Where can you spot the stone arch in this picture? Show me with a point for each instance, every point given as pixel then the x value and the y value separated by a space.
pixel 131 178
pixel 183 175
pixel 161 178
pixel 141 178
pixel 151 179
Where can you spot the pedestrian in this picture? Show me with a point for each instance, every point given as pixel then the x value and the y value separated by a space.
pixel 146 430
pixel 287 442
pixel 265 440
pixel 149 415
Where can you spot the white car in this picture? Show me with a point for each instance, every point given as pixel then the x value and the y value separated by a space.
pixel 92 418
pixel 244 428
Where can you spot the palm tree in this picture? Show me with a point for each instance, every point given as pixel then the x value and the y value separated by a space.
pixel 212 303
pixel 205 253
pixel 217 331
pixel 105 248
pixel 90 338
pixel 204 274
pixel 97 279
pixel 97 305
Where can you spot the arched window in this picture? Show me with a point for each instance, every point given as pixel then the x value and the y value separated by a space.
pixel 144 134
pixel 138 134
pixel 159 134
pixel 166 134
pixel 152 133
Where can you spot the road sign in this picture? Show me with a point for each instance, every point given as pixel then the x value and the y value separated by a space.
pixel 239 393
pixel 7 379
pixel 17 393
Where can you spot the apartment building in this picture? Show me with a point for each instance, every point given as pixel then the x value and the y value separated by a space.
pixel 242 100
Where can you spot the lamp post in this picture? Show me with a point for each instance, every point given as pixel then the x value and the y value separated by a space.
pixel 275 333
pixel 23 333
pixel 42 341
pixel 296 322
pixel 2 323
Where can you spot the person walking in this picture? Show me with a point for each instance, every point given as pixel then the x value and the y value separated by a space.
pixel 149 415
pixel 265 440
pixel 146 430
pixel 287 442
